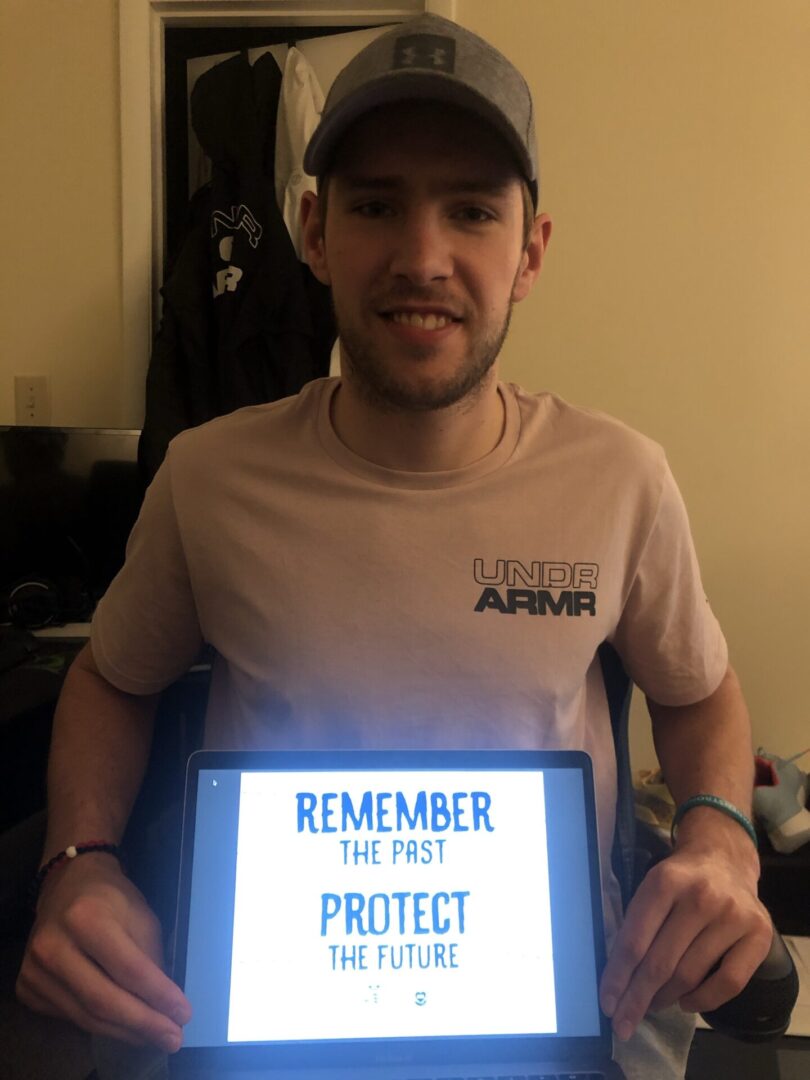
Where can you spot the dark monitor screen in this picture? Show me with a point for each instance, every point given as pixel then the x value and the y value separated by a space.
pixel 68 500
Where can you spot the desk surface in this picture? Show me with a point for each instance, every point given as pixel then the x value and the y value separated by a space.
pixel 77 631
pixel 716 1057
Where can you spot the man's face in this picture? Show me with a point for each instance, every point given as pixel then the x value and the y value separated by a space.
pixel 423 249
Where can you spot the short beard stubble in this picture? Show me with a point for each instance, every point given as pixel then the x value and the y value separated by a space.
pixel 382 390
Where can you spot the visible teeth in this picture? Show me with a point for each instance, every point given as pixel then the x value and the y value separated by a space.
pixel 425 322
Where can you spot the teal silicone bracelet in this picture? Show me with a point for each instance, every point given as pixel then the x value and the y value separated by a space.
pixel 717 803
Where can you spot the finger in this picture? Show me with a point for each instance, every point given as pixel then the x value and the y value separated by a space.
pixel 733 975
pixel 663 960
pixel 709 951
pixel 81 991
pixel 697 962
pixel 646 914
pixel 114 950
pixel 58 1002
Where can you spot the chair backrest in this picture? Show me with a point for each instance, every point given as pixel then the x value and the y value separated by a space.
pixel 619 690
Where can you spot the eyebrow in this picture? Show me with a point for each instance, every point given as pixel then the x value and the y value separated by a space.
pixel 464 186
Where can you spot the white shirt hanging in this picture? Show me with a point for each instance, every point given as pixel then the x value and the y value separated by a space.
pixel 299 109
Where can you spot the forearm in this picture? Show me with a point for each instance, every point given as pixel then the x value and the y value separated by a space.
pixel 695 931
pixel 99 749
pixel 94 956
pixel 705 748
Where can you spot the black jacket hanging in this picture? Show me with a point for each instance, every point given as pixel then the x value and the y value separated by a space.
pixel 244 321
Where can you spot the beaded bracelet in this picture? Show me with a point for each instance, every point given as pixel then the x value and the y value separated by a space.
pixel 717 803
pixel 71 852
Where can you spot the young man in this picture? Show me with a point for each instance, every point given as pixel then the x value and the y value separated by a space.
pixel 414 554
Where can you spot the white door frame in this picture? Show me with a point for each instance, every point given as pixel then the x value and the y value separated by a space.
pixel 142 24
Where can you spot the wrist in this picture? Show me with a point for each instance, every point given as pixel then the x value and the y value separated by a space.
pixel 706 829
pixel 83 854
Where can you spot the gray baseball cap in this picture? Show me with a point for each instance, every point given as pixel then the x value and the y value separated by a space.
pixel 434 59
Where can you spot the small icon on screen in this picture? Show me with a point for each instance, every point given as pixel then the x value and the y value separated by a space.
pixel 214 783
pixel 420 997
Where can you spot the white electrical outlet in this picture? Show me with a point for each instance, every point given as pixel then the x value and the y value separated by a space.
pixel 32 400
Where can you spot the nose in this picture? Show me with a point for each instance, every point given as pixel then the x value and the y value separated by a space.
pixel 422 250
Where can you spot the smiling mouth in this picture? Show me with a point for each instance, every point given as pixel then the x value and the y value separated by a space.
pixel 427 321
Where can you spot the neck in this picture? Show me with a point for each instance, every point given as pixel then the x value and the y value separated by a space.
pixel 431 441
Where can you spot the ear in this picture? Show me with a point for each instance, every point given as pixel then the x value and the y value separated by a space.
pixel 313 237
pixel 531 259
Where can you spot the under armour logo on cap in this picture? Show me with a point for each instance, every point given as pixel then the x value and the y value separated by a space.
pixel 426 51
pixel 402 65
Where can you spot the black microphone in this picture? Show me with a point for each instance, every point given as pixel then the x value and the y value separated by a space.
pixel 761 1011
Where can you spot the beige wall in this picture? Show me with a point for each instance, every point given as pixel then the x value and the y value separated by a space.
pixel 675 153
pixel 674 149
pixel 60 306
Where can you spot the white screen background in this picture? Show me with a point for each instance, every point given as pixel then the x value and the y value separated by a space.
pixel 283 982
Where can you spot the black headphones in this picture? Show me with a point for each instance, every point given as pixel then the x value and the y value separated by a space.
pixel 35 601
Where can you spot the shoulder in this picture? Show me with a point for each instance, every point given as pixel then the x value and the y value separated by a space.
pixel 589 438
pixel 253 429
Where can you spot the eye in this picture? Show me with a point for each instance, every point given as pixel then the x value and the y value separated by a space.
pixel 373 208
pixel 475 215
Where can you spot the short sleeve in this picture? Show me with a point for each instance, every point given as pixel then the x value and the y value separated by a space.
pixel 145 631
pixel 667 635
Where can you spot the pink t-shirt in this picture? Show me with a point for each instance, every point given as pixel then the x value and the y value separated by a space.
pixel 351 605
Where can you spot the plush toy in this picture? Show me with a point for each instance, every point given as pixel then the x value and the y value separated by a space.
pixel 781 794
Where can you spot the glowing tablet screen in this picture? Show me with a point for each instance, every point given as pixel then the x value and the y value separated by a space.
pixel 391 904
